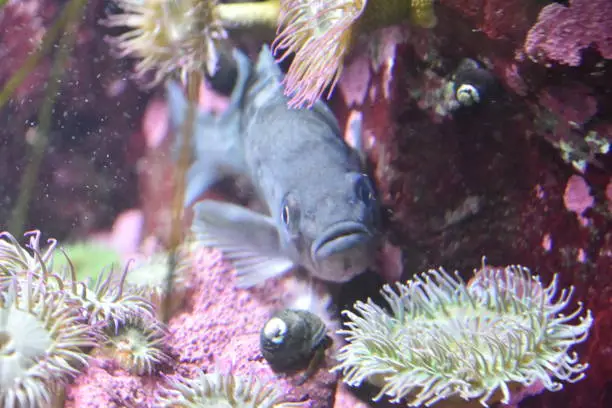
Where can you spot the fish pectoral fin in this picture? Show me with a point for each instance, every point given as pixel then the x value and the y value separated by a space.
pixel 248 240
pixel 261 270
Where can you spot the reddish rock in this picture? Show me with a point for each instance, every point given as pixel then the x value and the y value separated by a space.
pixel 498 19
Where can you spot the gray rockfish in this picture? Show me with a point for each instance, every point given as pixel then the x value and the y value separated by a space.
pixel 323 210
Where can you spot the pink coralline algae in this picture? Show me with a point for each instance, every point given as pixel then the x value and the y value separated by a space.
pixel 562 33
pixel 577 197
pixel 359 82
pixel 218 331
pixel 105 385
pixel 354 84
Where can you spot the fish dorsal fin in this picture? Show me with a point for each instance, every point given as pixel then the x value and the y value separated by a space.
pixel 248 240
pixel 266 64
pixel 265 83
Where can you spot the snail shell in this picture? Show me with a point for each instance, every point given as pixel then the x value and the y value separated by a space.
pixel 290 338
pixel 473 84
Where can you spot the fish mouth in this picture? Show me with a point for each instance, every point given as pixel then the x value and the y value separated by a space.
pixel 338 238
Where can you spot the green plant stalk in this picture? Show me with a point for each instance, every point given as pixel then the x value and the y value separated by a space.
pixel 34 58
pixel 378 14
pixel 194 80
pixel 241 15
pixel 71 15
pixel 384 13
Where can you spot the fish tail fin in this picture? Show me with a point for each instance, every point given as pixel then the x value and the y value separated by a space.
pixel 216 142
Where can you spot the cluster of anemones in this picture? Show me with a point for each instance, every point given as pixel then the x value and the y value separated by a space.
pixel 50 322
pixel 169 36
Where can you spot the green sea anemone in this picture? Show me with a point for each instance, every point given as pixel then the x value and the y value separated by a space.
pixel 42 337
pixel 217 390
pixel 137 345
pixel 105 299
pixel 148 277
pixel 168 36
pixel 441 339
pixel 16 260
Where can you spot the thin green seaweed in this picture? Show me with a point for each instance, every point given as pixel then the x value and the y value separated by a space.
pixel 67 25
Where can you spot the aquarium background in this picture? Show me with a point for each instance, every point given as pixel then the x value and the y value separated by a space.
pixel 487 133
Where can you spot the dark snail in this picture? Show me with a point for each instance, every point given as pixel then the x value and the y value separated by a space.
pixel 473 83
pixel 294 340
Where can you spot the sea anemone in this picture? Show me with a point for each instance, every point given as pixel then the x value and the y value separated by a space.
pixel 42 337
pixel 148 277
pixel 441 338
pixel 107 299
pixel 216 390
pixel 16 260
pixel 137 345
pixel 168 36
pixel 321 33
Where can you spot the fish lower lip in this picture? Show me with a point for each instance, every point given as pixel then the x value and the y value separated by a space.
pixel 339 237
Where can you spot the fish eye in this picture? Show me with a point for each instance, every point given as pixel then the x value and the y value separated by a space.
pixel 364 190
pixel 290 213
pixel 286 214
